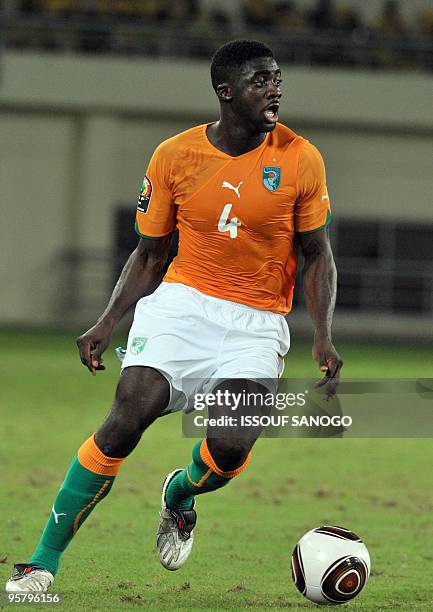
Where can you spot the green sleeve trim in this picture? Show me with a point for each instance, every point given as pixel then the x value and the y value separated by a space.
pixel 327 222
pixel 148 237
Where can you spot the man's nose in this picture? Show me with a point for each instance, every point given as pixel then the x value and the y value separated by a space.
pixel 274 91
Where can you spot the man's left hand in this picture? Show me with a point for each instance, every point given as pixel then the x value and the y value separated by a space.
pixel 329 362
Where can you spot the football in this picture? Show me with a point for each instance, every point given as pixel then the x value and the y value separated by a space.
pixel 330 565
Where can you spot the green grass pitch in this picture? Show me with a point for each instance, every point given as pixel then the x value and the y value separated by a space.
pixel 381 489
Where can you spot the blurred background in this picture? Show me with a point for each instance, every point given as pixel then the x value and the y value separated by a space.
pixel 88 88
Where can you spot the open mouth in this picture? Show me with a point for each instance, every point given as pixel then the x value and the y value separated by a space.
pixel 271 113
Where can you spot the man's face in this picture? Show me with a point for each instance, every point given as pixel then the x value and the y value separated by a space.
pixel 257 92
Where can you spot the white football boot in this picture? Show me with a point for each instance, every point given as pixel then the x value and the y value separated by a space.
pixel 175 535
pixel 28 578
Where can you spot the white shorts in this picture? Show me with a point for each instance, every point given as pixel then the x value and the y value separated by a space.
pixel 189 336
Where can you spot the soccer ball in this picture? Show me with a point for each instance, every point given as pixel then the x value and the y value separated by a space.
pixel 330 565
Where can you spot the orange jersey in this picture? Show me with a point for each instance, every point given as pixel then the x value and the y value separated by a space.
pixel 237 216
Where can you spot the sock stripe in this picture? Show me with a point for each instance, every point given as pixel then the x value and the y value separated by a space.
pixel 89 505
pixel 209 461
pixel 94 460
pixel 202 480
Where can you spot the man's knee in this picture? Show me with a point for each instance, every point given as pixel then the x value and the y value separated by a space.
pixel 228 455
pixel 141 395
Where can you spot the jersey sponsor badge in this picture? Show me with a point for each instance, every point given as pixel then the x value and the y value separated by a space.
pixel 271 177
pixel 145 195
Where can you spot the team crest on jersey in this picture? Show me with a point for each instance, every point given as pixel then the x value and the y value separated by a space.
pixel 271 177
pixel 145 195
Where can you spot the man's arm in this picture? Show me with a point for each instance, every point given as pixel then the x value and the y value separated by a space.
pixel 140 276
pixel 319 279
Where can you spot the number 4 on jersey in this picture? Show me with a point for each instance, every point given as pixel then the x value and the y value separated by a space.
pixel 232 225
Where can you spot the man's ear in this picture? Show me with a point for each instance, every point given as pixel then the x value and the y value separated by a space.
pixel 224 92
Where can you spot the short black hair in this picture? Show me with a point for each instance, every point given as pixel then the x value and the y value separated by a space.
pixel 232 56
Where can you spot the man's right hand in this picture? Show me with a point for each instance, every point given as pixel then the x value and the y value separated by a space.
pixel 92 345
pixel 141 274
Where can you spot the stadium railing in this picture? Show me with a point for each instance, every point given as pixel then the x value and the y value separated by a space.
pixel 305 46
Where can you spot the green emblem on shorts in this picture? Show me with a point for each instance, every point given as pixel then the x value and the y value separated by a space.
pixel 138 345
pixel 271 177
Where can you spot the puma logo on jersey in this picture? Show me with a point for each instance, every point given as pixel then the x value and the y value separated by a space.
pixel 232 187
pixel 56 515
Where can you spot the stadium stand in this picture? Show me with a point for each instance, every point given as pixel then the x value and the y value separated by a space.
pixel 319 32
